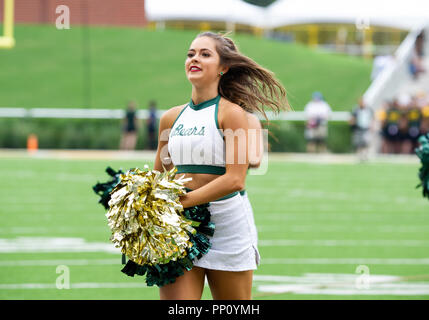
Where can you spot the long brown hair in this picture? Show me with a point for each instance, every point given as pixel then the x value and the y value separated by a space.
pixel 246 83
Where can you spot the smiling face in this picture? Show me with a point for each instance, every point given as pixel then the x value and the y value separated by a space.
pixel 202 63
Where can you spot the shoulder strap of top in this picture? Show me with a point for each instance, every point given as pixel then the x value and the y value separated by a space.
pixel 216 115
pixel 179 115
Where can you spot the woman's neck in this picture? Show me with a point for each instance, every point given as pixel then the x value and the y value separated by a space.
pixel 202 94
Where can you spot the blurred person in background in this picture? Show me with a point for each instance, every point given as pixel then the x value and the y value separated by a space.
pixel 422 99
pixel 379 64
pixel 389 118
pixel 317 112
pixel 129 128
pixel 151 125
pixel 416 62
pixel 423 103
pixel 414 119
pixel 361 122
pixel 403 102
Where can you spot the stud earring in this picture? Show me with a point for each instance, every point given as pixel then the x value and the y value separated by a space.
pixel 221 73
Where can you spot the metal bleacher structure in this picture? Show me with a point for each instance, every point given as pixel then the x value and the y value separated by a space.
pixel 395 79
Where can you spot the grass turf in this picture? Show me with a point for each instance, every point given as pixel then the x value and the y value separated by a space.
pixel 293 201
pixel 47 68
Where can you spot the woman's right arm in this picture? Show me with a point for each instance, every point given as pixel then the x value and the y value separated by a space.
pixel 165 124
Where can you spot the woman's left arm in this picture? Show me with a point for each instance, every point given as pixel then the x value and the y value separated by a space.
pixel 256 141
pixel 235 129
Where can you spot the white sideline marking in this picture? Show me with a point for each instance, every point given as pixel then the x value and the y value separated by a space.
pixel 279 261
pixel 339 243
pixel 354 261
pixel 44 230
pixel 60 176
pixel 261 228
pixel 310 283
pixel 67 262
pixel 323 278
pixel 48 244
pixel 45 244
pixel 397 289
pixel 343 228
pixel 81 285
pixel 342 284
pixel 150 155
pixel 352 217
pixel 344 196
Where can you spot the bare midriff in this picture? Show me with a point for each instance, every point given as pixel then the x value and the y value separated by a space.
pixel 198 179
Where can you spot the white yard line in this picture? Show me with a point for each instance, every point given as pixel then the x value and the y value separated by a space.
pixel 78 154
pixel 51 244
pixel 398 290
pixel 310 283
pixel 46 230
pixel 81 285
pixel 264 261
pixel 343 228
pixel 353 261
pixel 150 155
pixel 57 262
pixel 341 243
pixel 261 228
pixel 343 284
pixel 353 217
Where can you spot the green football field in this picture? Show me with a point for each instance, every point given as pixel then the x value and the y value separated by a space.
pixel 326 231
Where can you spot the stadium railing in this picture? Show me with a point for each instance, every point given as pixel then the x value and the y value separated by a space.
pixel 65 113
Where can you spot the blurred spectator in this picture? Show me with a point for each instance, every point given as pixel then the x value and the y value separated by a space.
pixel 390 128
pixel 403 104
pixel 129 128
pixel 317 112
pixel 423 103
pixel 151 126
pixel 379 64
pixel 414 119
pixel 403 122
pixel 361 122
pixel 422 99
pixel 416 62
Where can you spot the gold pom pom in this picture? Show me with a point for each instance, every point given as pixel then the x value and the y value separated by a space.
pixel 145 216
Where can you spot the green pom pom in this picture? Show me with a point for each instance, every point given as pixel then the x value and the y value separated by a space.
pixel 104 189
pixel 423 153
pixel 207 229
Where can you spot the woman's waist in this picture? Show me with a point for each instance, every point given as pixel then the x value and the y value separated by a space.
pixel 199 180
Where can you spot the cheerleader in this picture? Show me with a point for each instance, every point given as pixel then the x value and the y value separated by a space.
pixel 206 140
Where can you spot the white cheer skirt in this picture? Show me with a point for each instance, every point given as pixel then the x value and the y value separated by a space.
pixel 234 242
